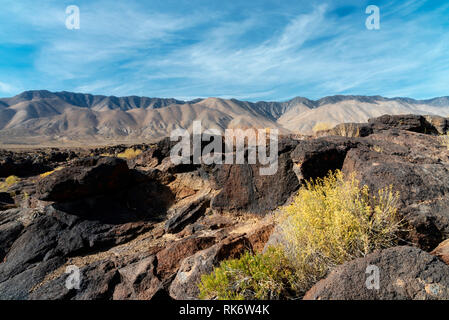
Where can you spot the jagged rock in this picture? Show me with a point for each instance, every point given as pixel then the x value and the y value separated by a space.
pixel 415 166
pixel 55 236
pixel 138 281
pixel 87 178
pixel 244 189
pixel 6 201
pixel 441 124
pixel 260 236
pixel 315 158
pixel 185 284
pixel 10 229
pixel 442 251
pixel 348 130
pixel 187 214
pixel 169 259
pixel 405 273
pixel 408 122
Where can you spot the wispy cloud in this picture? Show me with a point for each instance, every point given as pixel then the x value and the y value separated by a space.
pixel 198 48
pixel 6 88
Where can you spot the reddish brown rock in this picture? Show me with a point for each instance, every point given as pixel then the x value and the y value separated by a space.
pixel 170 258
pixel 138 281
pixel 185 284
pixel 442 251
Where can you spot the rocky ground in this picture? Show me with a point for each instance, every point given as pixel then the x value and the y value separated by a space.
pixel 144 228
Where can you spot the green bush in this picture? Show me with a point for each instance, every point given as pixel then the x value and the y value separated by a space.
pixel 261 276
pixel 330 221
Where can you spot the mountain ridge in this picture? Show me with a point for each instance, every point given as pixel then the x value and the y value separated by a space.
pixel 42 116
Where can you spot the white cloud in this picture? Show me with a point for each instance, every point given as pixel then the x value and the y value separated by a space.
pixel 6 88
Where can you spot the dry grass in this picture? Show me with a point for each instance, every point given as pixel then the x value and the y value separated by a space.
pixel 46 174
pixel 348 130
pixel 129 153
pixel 322 126
pixel 444 140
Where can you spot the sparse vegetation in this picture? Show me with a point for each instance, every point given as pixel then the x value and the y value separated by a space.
pixel 378 149
pixel 261 276
pixel 129 153
pixel 331 220
pixel 444 140
pixel 9 182
pixel 46 174
pixel 321 126
pixel 347 130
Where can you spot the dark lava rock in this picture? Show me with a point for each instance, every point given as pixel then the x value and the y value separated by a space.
pixel 408 122
pixel 187 214
pixel 6 201
pixel 185 285
pixel 405 273
pixel 87 178
pixel 243 188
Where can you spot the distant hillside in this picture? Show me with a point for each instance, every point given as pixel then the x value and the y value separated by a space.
pixel 44 117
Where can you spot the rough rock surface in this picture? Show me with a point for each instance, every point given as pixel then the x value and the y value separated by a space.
pixel 405 273
pixel 145 228
pixel 442 251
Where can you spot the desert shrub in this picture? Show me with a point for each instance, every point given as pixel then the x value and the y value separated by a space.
pixel 9 182
pixel 46 174
pixel 129 153
pixel 444 140
pixel 330 221
pixel 321 126
pixel 261 276
pixel 106 155
pixel 333 220
pixel 347 130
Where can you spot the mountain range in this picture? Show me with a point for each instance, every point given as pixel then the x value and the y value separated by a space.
pixel 42 117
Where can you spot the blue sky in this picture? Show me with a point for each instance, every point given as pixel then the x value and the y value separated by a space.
pixel 253 50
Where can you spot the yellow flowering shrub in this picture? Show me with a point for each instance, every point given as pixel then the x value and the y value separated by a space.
pixel 321 126
pixel 333 220
pixel 330 221
pixel 444 140
pixel 129 153
pixel 9 182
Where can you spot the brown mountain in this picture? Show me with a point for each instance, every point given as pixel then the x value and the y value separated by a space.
pixel 43 117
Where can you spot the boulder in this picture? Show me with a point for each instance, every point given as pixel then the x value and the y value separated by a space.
pixel 89 177
pixel 410 122
pixel 404 273
pixel 242 188
pixel 185 284
pixel 170 258
pixel 53 236
pixel 139 281
pixel 417 167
